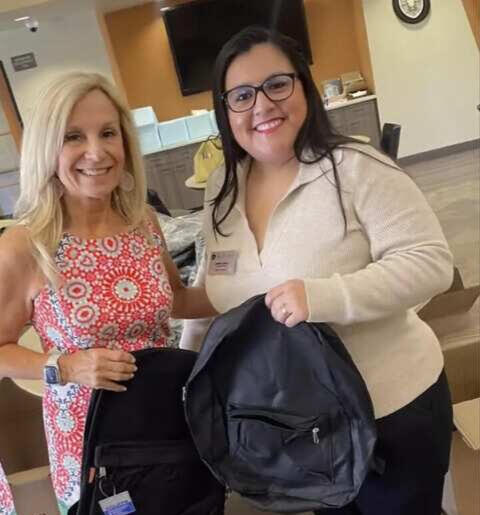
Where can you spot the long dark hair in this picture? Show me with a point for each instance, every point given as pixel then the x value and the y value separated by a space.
pixel 316 133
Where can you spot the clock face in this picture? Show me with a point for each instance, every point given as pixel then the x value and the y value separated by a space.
pixel 411 8
pixel 411 11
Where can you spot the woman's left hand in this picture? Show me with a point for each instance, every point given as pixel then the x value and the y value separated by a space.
pixel 288 302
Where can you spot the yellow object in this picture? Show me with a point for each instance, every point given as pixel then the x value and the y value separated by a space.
pixel 208 158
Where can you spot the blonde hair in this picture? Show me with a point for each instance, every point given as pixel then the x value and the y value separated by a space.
pixel 39 206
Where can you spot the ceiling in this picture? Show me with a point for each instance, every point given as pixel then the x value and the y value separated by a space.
pixel 48 9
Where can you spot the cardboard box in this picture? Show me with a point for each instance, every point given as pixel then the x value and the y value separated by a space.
pixel 23 451
pixel 465 464
pixel 462 358
pixel 454 316
pixel 33 492
pixel 456 300
pixel 353 81
pixel 22 438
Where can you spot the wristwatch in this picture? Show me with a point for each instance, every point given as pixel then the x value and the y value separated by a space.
pixel 51 370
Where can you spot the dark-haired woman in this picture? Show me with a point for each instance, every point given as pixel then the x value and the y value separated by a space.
pixel 335 233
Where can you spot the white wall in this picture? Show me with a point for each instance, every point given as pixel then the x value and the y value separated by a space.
pixel 63 43
pixel 426 75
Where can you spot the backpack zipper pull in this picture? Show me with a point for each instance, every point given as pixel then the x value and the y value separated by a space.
pixel 315 432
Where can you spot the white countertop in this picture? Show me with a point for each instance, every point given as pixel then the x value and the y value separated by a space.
pixel 336 105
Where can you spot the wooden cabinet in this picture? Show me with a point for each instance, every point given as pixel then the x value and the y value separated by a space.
pixel 360 118
pixel 166 174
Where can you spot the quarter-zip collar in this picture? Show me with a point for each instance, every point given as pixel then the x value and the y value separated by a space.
pixel 306 173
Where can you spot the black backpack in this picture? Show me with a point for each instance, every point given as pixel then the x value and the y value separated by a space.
pixel 280 415
pixel 139 441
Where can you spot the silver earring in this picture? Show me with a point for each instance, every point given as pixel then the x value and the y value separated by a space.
pixel 127 182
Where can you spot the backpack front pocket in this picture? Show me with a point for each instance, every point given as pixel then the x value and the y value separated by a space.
pixel 278 442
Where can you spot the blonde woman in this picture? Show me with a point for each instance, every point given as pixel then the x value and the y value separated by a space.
pixel 86 264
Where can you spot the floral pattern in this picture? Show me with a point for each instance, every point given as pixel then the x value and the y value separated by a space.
pixel 6 499
pixel 115 294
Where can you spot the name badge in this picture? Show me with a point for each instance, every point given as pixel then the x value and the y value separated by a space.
pixel 119 504
pixel 223 262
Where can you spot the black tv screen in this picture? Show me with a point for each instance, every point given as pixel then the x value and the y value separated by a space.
pixel 198 30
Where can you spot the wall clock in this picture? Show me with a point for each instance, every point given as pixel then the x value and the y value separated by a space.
pixel 411 11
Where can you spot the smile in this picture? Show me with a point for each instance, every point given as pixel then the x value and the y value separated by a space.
pixel 269 126
pixel 94 172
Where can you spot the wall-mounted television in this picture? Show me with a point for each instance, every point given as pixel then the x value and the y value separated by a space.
pixel 197 31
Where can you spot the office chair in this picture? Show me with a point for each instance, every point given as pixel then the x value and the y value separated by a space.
pixel 390 139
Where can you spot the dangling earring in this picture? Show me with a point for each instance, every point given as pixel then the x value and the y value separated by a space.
pixel 127 182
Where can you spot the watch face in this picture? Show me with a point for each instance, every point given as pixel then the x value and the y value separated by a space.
pixel 51 375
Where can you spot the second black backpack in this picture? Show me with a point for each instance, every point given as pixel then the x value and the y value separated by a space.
pixel 138 441
pixel 280 415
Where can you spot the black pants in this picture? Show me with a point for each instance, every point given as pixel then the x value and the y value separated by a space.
pixel 415 443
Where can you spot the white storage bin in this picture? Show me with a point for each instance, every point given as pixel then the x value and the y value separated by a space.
pixel 144 116
pixel 149 138
pixel 173 132
pixel 199 126
pixel 213 122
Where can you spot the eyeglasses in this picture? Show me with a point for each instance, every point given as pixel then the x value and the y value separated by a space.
pixel 276 88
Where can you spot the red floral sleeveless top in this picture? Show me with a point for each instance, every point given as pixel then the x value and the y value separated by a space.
pixel 115 294
pixel 6 498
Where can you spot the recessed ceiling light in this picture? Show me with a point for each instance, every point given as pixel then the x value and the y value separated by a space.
pixel 22 18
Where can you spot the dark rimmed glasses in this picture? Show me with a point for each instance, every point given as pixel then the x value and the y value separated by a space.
pixel 276 88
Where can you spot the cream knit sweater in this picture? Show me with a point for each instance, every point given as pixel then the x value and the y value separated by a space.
pixel 364 283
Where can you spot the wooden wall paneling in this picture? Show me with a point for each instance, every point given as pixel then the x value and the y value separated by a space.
pixel 361 39
pixel 140 44
pixel 332 32
pixel 7 102
pixel 472 7
pixel 117 76
pixel 142 50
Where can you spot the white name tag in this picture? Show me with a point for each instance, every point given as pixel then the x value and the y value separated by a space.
pixel 223 262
